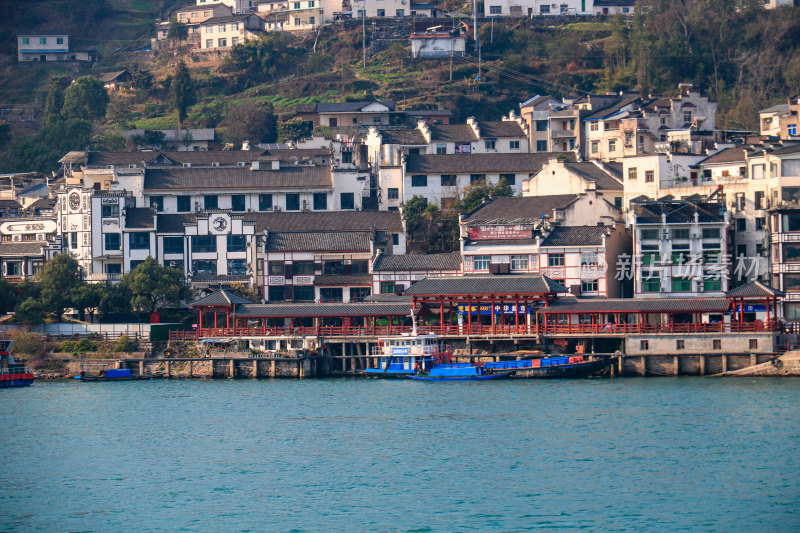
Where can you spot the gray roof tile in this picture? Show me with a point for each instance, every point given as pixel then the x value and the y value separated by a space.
pixel 416 262
pixel 221 297
pixel 734 154
pixel 318 242
pixel 481 285
pixel 523 210
pixel 603 180
pixel 452 133
pixel 174 223
pixel 300 177
pixel 754 289
pixel 476 163
pixel 500 129
pixel 575 236
pixel 345 279
pixel 635 305
pixel 21 248
pixel 139 218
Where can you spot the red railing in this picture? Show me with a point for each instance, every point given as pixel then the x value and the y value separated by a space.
pixel 479 330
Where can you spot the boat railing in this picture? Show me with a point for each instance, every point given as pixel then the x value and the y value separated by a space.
pixel 20 370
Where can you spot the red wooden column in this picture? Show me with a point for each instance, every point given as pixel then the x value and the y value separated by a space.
pixel 215 318
pixel 469 316
pixel 199 319
pixel 491 303
pixel 441 316
pixel 516 315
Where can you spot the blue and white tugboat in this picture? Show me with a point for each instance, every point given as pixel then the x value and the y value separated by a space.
pixel 11 373
pixel 407 354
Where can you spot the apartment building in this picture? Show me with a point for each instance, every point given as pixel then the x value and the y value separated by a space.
pixel 228 31
pixel 781 120
pixel 529 8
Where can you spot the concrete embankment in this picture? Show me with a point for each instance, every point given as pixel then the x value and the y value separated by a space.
pixel 787 364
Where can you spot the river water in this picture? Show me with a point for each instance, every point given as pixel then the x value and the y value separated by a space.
pixel 657 454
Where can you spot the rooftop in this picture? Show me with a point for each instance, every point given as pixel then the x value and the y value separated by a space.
pixel 352 241
pixel 417 262
pixel 521 210
pixel 575 236
pixel 476 163
pixel 485 285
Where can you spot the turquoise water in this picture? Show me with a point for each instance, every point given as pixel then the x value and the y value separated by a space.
pixel 671 454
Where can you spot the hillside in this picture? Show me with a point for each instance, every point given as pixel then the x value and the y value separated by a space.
pixel 743 56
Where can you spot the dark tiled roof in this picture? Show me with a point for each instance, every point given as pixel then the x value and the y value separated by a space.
pixel 42 203
pixel 301 177
pixel 414 262
pixel 780 108
pixel 222 297
pixel 635 305
pixel 318 242
pixel 323 310
pixel 107 77
pixel 327 221
pixel 613 108
pixel 174 223
pixel 499 129
pixel 199 157
pixel 21 248
pixel 525 210
pixel 790 149
pixel 615 168
pixel 678 212
pixel 477 285
pixel 734 154
pixel 139 218
pixel 345 279
pixel 402 136
pixel 227 18
pixel 389 298
pixel 348 107
pixel 452 133
pixel 602 179
pixel 575 236
pixel 754 289
pixel 10 204
pixel 501 242
pixel 476 163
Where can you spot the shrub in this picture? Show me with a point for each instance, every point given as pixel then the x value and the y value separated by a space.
pixel 28 344
pixel 77 347
pixel 126 344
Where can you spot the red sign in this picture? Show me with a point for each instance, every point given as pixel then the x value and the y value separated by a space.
pixel 484 233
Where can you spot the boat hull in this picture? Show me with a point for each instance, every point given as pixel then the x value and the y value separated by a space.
pixel 16 380
pixel 461 378
pixel 572 370
pixel 130 378
pixel 380 374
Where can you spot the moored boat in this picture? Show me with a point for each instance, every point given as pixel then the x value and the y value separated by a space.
pixel 407 354
pixel 112 374
pixel 459 372
pixel 11 373
pixel 552 367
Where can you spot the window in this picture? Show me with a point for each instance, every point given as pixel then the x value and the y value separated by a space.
pixel 59 40
pixel 303 293
pixel 303 268
pixel 555 260
pixel 716 344
pixel 680 257
pixel 209 43
pixel 441 149
pixel 135 263
pixel 26 40
pixel 758 200
pixel 476 177
pixel 209 29
pixel 489 144
pixel 711 233
pixel 681 284
pixel 237 267
pixel 113 268
pixel 541 146
pixel 589 259
pixel 275 293
pixel 712 284
pixel 612 146
pixel 649 176
pixel 511 179
pixel 111 211
pixel 632 173
pixel 741 224
pixel 682 233
pixel 618 202
pixel 651 258
pixel 113 241
pixel 42 40
pixel 519 262
pixel 204 244
pixel 595 146
pixel 387 287
pixel 480 262
pixel 293 202
pixel 649 234
pixel 513 145
pixel 544 9
pixel 448 180
pixel 399 13
pixel 495 10
pixel 761 223
pixel 754 344
pixel 791 129
pixel 381 13
pixel 173 245
pixel 589 285
pixel 644 345
pixel 73 240
pixel 264 202
pixel 393 193
pixel 680 344
pixel 234 41
pixel 347 200
pixel 687 115
pixel 235 26
pixel 211 201
pixel 357 294
pixel 651 285
pixel 275 268
pixel 541 125
pixel 140 241
pixel 237 202
pixel 311 20
pixel 296 5
pixel 320 201
pixel 237 243
pixel 184 204
pixel 419 180
pixel 395 239
pixel 222 42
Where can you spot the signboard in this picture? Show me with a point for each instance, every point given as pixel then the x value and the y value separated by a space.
pixel 39 226
pixel 464 149
pixel 303 280
pixel 276 280
pixel 400 351
pixel 515 231
pixel 755 308
pixel 499 309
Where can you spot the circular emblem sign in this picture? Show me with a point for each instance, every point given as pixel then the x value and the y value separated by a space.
pixel 219 224
pixel 74 201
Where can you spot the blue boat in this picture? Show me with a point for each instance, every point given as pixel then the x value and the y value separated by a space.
pixel 459 372
pixel 405 355
pixel 111 374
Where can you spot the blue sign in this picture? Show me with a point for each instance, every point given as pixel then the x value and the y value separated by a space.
pixel 499 309
pixel 755 308
pixel 400 351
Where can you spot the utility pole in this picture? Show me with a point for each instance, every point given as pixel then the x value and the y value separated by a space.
pixel 475 22
pixel 364 36
pixel 452 42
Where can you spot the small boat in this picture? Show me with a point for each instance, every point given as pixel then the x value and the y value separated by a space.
pixel 552 367
pixel 112 374
pixel 407 354
pixel 11 373
pixel 459 372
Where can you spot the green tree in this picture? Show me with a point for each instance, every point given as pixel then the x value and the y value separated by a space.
pixel 141 79
pixel 8 297
pixel 251 120
pixel 479 191
pixel 115 300
pixel 182 92
pixel 60 278
pixel 86 298
pixel 294 129
pixel 85 99
pixel 177 31
pixel 152 285
pixel 153 139
pixel 42 150
pixel 29 312
pixel 55 99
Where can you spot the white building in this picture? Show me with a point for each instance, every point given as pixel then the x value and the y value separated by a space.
pixel 529 8
pixel 49 46
pixel 226 32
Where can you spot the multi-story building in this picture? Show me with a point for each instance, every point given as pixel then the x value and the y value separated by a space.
pixel 49 46
pixel 566 177
pixel 228 31
pixel 529 8
pixel 535 112
pixel 781 120
pixel 392 274
pixel 680 248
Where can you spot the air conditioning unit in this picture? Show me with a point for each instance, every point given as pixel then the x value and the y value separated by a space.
pixel 695 235
pixel 664 234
